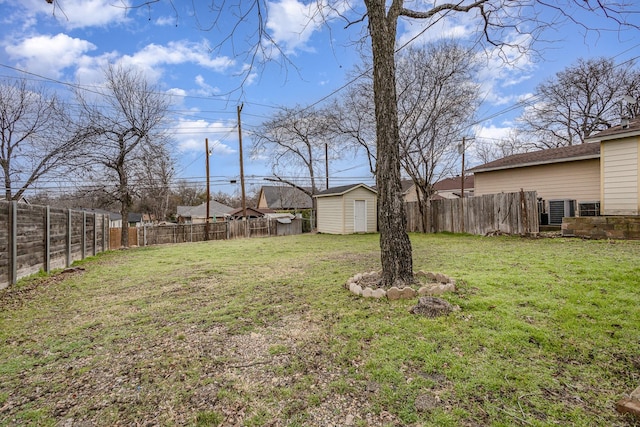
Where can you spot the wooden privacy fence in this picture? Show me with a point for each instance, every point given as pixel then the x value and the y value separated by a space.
pixel 509 213
pixel 182 233
pixel 414 217
pixel 35 238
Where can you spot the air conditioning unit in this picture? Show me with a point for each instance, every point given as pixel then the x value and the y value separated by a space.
pixel 589 209
pixel 559 209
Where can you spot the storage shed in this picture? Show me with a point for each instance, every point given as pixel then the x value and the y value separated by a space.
pixel 347 209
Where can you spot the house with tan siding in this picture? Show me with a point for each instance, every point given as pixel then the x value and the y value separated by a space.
pixel 619 165
pixel 347 209
pixel 447 188
pixel 568 177
pixel 284 197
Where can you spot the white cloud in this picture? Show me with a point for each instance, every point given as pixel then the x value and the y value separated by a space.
pixel 190 135
pixel 166 21
pixel 417 32
pixel 71 14
pixel 505 70
pixel 91 13
pixel 492 132
pixel 176 96
pixel 251 78
pixel 90 69
pixel 151 60
pixel 505 73
pixel 175 91
pixel 205 88
pixel 49 55
pixel 291 23
pixel 174 53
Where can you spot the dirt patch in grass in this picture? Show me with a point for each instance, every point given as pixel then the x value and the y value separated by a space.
pixel 14 296
pixel 264 377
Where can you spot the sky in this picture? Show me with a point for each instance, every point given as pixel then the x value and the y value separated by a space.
pixel 199 57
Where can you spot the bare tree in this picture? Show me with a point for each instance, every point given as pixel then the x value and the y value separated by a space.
pixel 186 194
pixel 122 130
pixel 296 142
pixel 585 98
pixel 488 150
pixel 437 99
pixel 154 175
pixel 36 139
pixel 352 118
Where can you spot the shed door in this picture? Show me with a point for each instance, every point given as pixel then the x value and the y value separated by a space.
pixel 360 216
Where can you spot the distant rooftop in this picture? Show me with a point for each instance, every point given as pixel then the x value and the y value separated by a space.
pixel 542 157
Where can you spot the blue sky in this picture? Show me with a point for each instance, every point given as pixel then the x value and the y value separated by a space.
pixel 73 40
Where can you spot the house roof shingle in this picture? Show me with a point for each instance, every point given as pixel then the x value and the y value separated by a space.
pixel 282 197
pixel 454 183
pixel 542 157
pixel 216 209
pixel 616 132
pixel 250 212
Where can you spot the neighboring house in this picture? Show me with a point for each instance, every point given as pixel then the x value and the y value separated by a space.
pixel 251 213
pixel 279 197
pixel 567 179
pixel 347 209
pixel 448 188
pixel 408 190
pixel 197 214
pixel 619 161
pixel 451 188
pixel 115 219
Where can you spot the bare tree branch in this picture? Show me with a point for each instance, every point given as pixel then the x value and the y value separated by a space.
pixel 36 137
pixel 123 133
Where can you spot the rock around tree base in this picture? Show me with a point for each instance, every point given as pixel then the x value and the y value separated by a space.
pixel 427 284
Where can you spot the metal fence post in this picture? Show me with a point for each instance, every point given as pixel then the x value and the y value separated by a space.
pixel 47 239
pixel 95 234
pixel 68 237
pixel 84 235
pixel 13 219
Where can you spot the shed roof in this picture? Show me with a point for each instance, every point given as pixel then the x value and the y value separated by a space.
pixel 338 191
pixel 543 157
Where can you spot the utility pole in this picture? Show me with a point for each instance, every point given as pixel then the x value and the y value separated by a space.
pixel 244 203
pixel 326 162
pixel 206 223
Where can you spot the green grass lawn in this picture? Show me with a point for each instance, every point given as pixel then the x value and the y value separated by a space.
pixel 261 332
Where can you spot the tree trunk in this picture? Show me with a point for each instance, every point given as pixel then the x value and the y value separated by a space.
pixel 124 235
pixel 125 203
pixel 395 246
pixel 423 206
pixel 7 183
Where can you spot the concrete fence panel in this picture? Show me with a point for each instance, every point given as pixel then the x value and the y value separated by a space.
pixel 34 238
